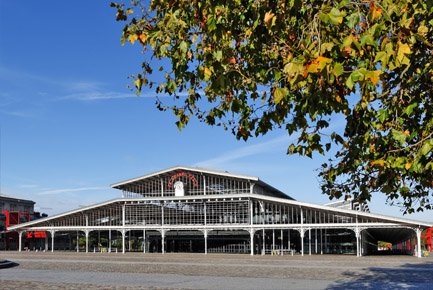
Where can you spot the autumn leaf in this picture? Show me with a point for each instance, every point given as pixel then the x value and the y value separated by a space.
pixel 279 94
pixel 318 64
pixel 376 12
pixel 132 38
pixel 143 37
pixel 378 163
pixel 268 17
pixel 374 76
pixel 207 73
pixel 403 50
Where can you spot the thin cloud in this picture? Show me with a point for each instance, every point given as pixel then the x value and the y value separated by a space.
pixel 246 151
pixel 67 190
pixel 28 186
pixel 96 96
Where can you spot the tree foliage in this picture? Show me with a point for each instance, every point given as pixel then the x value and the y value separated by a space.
pixel 252 66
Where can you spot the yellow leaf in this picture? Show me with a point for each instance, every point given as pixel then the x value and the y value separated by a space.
pixel 423 30
pixel 143 37
pixel 338 99
pixel 207 74
pixel 403 49
pixel 374 76
pixel 408 165
pixel 378 163
pixel 132 38
pixel 376 12
pixel 268 17
pixel 318 64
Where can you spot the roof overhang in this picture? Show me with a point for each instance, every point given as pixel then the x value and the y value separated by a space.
pixel 384 218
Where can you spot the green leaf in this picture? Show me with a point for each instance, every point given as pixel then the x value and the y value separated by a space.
pixel 207 73
pixel 426 148
pixel 382 115
pixel 336 16
pixel 367 39
pixel 352 20
pixel 183 46
pixel 409 109
pixel 338 69
pixel 218 55
pixel 280 94
pixel 398 136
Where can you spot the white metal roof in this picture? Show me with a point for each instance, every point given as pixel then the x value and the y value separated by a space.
pixel 235 196
pixel 195 169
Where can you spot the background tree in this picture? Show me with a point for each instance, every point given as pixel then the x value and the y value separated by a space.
pixel 252 66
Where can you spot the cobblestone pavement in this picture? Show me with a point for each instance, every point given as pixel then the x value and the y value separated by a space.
pixel 68 270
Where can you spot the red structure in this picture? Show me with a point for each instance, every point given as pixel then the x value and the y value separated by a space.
pixel 11 218
pixel 427 238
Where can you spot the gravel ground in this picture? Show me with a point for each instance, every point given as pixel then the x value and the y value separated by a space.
pixel 68 270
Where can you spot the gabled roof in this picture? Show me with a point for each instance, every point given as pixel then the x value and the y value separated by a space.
pixel 254 179
pixel 194 169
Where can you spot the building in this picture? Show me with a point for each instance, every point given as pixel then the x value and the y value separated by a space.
pixel 188 209
pixel 15 211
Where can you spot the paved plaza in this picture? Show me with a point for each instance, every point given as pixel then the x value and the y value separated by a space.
pixel 39 270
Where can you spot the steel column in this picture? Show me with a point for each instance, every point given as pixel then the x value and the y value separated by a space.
pixel 144 241
pixel 86 232
pixel 205 241
pixel 20 235
pixel 418 242
pixel 252 242
pixel 273 242
pixel 109 240
pixel 52 240
pixel 162 241
pixel 302 241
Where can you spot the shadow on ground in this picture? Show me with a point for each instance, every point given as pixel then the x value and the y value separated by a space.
pixel 407 276
pixel 7 264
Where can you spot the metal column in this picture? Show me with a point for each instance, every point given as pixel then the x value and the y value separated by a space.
pixel 144 241
pixel 357 242
pixel 123 241
pixel 273 242
pixel 52 240
pixel 86 232
pixel 20 235
pixel 281 245
pixel 205 242
pixel 46 241
pixel 315 240
pixel 162 241
pixel 418 242
pixel 302 241
pixel 252 242
pixel 309 242
pixel 109 240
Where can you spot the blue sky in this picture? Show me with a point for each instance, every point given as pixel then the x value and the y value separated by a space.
pixel 70 126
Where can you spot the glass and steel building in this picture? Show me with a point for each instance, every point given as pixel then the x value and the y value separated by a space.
pixel 188 209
